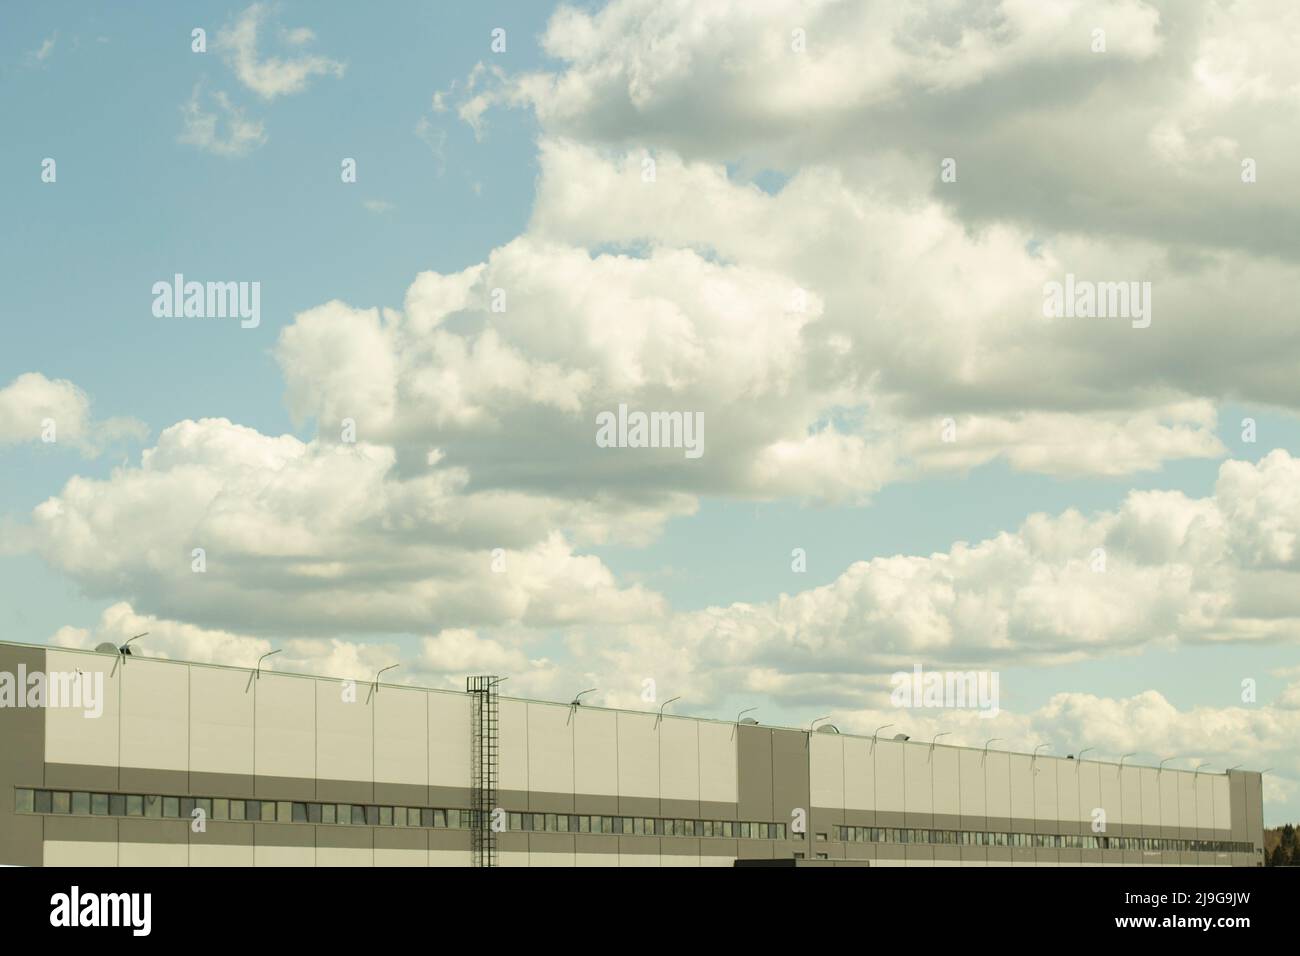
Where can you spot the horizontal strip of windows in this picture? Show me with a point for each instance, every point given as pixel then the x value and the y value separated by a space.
pixel 1064 841
pixel 161 807
pixel 645 826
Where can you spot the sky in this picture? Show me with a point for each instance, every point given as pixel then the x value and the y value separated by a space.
pixel 825 228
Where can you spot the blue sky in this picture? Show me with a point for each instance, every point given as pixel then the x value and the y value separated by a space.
pixel 563 114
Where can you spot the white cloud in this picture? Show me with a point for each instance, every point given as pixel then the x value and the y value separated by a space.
pixel 43 52
pixel 326 539
pixel 1177 571
pixel 224 130
pixel 35 409
pixel 271 76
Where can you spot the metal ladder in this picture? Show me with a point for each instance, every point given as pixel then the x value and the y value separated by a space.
pixel 483 766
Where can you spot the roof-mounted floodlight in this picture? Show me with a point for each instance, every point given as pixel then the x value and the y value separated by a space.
pixel 876 732
pixel 264 657
pixel 381 673
pixel 661 709
pixel 125 649
pixel 577 702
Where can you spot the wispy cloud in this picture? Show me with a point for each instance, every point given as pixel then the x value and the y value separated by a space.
pixel 43 52
pixel 223 130
pixel 271 76
pixel 435 137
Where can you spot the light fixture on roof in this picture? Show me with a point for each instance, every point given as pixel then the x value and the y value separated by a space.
pixel 577 702
pixel 381 674
pixel 660 718
pixel 874 733
pixel 258 674
pixel 125 649
pixel 902 737
pixel 828 729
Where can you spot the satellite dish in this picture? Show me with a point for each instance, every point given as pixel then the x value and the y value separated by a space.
pixel 828 729
pixel 749 720
pixel 108 647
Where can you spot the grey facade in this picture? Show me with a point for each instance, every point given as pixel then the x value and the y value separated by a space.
pixel 290 770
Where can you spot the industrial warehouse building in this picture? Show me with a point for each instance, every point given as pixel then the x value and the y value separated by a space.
pixel 200 765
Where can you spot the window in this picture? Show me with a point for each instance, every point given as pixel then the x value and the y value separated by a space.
pixel 385 816
pixel 299 812
pixel 426 818
pixel 187 807
pixel 81 803
pixel 204 804
pixel 24 800
pixel 171 807
pixel 359 814
pixel 238 809
pixel 221 809
pixel 412 817
pixel 281 810
pixel 62 801
pixel 99 804
pixel 134 805
pixel 821 838
pixel 117 805
pixel 252 810
pixel 43 801
pixel 329 813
